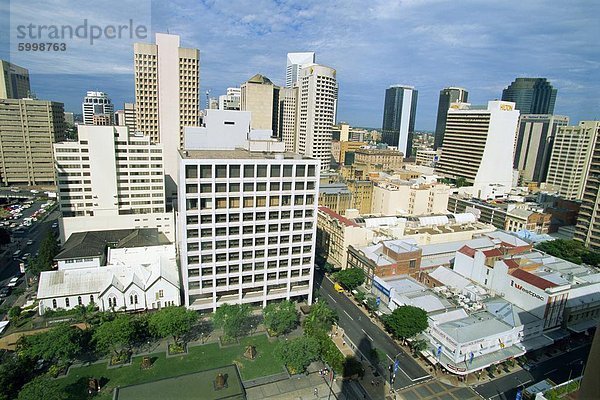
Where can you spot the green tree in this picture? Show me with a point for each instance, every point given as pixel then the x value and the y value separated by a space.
pixel 360 296
pixel 233 319
pixel 406 321
pixel 460 182
pixel 14 314
pixel 372 304
pixel 42 388
pixel 351 278
pixel 14 373
pixel 281 317
pixel 319 319
pixel 570 250
pixel 418 345
pixel 298 353
pixel 62 344
pixel 48 250
pixel 116 335
pixel 172 321
pixel 330 353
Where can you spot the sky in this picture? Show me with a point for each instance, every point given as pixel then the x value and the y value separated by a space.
pixel 429 44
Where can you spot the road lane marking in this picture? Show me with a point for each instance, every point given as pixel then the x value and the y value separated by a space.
pixel 348 315
pixel 331 298
pixel 370 338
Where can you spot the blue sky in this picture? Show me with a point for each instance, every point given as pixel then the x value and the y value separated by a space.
pixel 430 44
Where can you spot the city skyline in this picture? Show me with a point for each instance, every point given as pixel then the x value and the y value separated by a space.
pixel 363 46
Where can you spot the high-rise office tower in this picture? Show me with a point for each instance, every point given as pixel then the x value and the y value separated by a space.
pixel 97 104
pixel 448 96
pixel 247 216
pixel 588 222
pixel 534 145
pixel 399 111
pixel 315 115
pixel 295 62
pixel 260 97
pixel 129 116
pixel 531 95
pixel 14 81
pixel 28 128
pixel 478 143
pixel 571 158
pixel 231 100
pixel 288 98
pixel 166 96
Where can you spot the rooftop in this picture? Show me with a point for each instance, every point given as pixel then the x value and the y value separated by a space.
pixel 476 326
pixel 337 216
pixel 239 154
pixel 94 244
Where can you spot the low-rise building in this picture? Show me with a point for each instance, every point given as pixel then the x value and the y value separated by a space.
pixel 124 270
pixel 427 157
pixel 362 195
pixel 386 259
pixel 395 197
pixel 335 233
pixel 519 220
pixel 335 196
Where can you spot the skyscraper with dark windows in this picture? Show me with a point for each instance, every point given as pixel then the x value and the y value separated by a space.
pixel 399 112
pixel 531 95
pixel 448 96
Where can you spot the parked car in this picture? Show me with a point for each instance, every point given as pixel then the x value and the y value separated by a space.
pixel 29 242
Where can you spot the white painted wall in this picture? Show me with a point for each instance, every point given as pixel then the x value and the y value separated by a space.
pixel 224 129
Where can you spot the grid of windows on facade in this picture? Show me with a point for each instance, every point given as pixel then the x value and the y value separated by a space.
pixel 249 225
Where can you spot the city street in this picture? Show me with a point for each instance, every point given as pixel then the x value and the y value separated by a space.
pixel 558 369
pixel 365 335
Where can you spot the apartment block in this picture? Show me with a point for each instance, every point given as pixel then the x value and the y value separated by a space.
pixel 166 96
pixel 479 143
pixel 317 97
pixel 588 222
pixel 14 81
pixel 571 158
pixel 247 226
pixel 409 198
pixel 534 145
pixel 28 128
pixel 109 172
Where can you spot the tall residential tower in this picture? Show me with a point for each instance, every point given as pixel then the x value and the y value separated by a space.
pixel 317 95
pixel 166 96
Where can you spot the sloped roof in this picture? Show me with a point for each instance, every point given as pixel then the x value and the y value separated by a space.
pixel 260 79
pixel 492 253
pixel 532 279
pixel 94 244
pixel 466 250
pixel 337 216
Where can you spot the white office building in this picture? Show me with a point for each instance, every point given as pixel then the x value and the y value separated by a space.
pixel 479 144
pixel 97 104
pixel 317 96
pixel 247 216
pixel 111 179
pixel 295 62
pixel 231 100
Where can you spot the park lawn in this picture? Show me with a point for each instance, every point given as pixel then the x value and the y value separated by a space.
pixel 200 358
